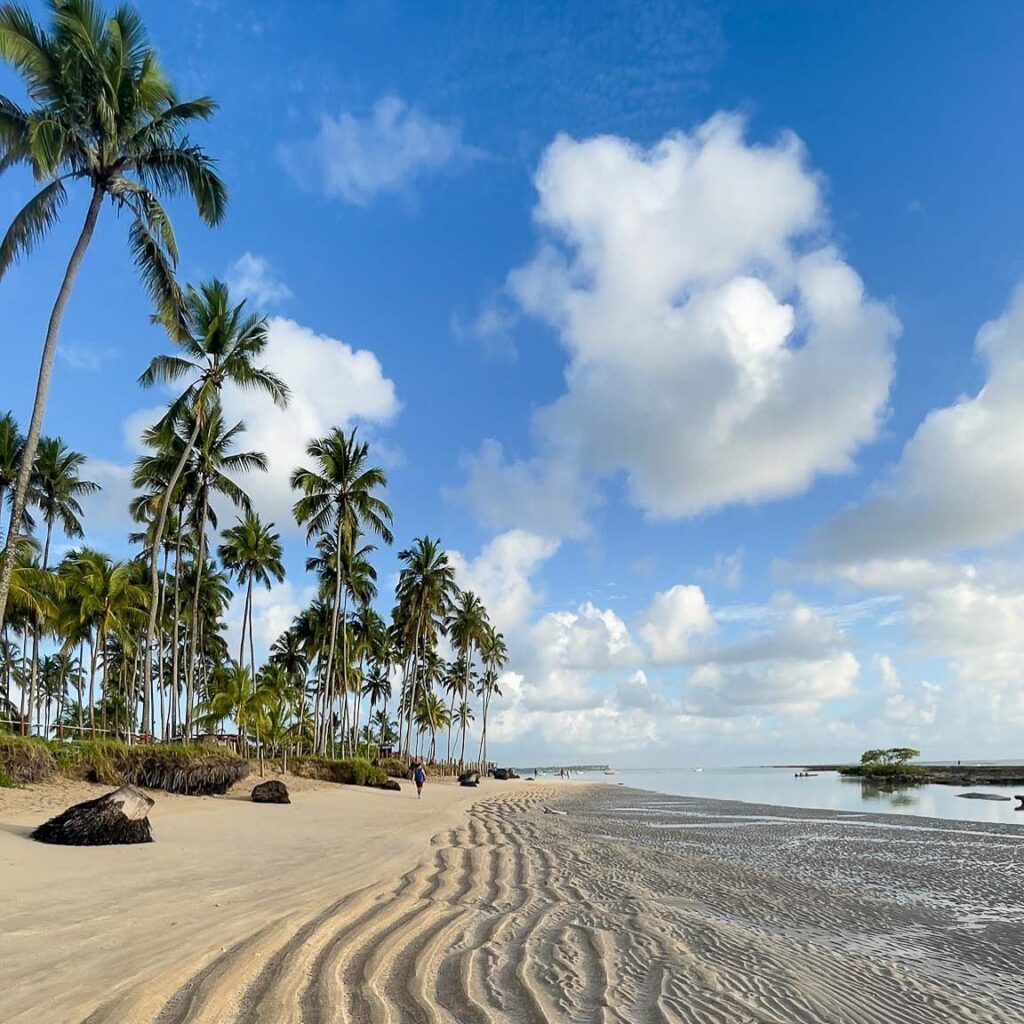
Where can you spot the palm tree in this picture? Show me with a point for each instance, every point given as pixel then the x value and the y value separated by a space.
pixel 431 715
pixel 56 488
pixel 220 344
pixel 463 716
pixel 12 441
pixel 236 696
pixel 338 500
pixel 426 592
pixel 494 655
pixel 252 552
pixel 468 630
pixel 108 599
pixel 106 116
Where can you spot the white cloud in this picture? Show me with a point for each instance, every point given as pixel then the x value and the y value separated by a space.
pixel 727 569
pixel 500 575
pixel 331 384
pixel 801 633
pixel 251 277
pixel 356 158
pixel 780 687
pixel 588 638
pixel 960 479
pixel 718 351
pixel 491 328
pixel 673 620
pixel 87 357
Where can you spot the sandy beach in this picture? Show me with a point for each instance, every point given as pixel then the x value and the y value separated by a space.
pixel 628 907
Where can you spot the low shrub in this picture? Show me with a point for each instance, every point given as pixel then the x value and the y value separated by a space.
pixel 351 771
pixel 6 782
pixel 396 767
pixel 892 772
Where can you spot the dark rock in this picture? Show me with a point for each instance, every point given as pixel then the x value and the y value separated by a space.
pixel 1020 806
pixel 117 819
pixel 982 796
pixel 391 784
pixel 270 792
pixel 469 779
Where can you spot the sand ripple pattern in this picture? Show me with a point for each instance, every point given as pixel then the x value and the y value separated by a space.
pixel 520 918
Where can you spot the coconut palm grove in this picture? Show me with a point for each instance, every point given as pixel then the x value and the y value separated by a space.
pixel 136 649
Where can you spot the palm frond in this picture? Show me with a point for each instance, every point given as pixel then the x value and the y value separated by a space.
pixel 36 217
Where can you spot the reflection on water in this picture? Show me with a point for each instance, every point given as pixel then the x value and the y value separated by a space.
pixel 828 791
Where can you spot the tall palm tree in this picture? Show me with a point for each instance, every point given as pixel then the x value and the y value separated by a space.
pixel 467 630
pixel 252 552
pixel 463 716
pixel 494 655
pixel 56 487
pixel 338 500
pixel 235 695
pixel 431 715
pixel 220 344
pixel 426 593
pixel 104 115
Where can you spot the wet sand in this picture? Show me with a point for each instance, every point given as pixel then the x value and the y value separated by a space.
pixel 629 907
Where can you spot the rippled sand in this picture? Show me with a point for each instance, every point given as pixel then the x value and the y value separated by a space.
pixel 723 913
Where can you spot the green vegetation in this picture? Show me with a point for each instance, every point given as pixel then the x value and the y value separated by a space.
pixel 353 771
pixel 6 782
pixel 102 649
pixel 192 769
pixel 888 764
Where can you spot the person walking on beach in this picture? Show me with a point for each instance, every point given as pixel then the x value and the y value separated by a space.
pixel 419 776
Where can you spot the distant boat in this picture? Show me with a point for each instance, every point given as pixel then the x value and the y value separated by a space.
pixel 698 769
pixel 611 771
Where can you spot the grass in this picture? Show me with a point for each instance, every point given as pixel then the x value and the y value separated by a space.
pixel 194 769
pixel 6 782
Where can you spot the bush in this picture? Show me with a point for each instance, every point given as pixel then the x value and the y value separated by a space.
pixel 892 772
pixel 352 771
pixel 6 782
pixel 396 767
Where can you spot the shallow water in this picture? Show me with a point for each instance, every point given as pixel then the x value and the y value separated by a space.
pixel 827 791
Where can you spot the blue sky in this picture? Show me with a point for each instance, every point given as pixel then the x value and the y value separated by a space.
pixel 634 302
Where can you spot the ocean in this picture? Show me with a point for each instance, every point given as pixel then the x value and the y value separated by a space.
pixel 827 791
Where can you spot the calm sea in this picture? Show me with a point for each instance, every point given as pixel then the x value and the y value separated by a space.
pixel 828 791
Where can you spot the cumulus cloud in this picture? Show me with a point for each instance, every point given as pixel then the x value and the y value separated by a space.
pixel 719 350
pixel 251 277
pixel 588 638
pixel 501 574
pixel 672 621
pixel 356 158
pixel 960 479
pixel 332 384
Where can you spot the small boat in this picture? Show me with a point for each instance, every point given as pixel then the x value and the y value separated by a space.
pixel 611 771
pixel 698 770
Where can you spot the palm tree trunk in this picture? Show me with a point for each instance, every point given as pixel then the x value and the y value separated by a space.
pixel 172 722
pixel 334 627
pixel 462 753
pixel 23 689
pixel 35 425
pixel 81 688
pixel 154 572
pixel 191 667
pixel 415 674
pixel 92 687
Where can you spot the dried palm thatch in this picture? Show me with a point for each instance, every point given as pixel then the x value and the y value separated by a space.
pixel 270 792
pixel 117 819
pixel 25 760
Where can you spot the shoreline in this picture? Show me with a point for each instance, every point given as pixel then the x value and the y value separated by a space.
pixel 477 907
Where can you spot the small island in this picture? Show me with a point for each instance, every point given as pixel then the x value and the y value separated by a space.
pixel 894 765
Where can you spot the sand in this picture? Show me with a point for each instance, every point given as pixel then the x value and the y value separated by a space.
pixel 341 908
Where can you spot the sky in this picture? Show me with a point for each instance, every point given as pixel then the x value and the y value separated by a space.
pixel 694 330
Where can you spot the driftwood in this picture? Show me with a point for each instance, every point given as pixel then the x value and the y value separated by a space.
pixel 469 779
pixel 119 818
pixel 270 792
pixel 391 784
pixel 505 773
